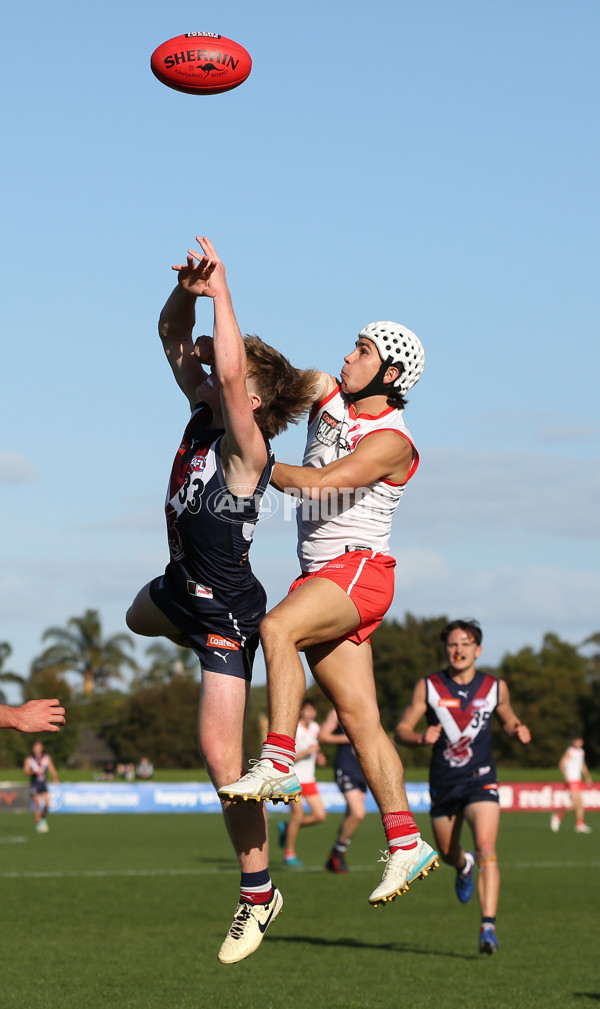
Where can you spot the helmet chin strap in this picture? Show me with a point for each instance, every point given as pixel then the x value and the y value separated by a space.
pixel 376 387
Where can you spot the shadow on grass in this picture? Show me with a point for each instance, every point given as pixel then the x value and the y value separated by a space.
pixel 587 994
pixel 390 947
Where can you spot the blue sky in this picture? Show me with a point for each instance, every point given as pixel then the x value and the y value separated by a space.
pixel 434 164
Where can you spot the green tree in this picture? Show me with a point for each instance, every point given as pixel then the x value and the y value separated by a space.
pixel 550 691
pixel 402 654
pixel 160 723
pixel 5 675
pixel 167 661
pixel 80 648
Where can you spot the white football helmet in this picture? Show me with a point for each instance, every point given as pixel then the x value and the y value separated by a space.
pixel 402 346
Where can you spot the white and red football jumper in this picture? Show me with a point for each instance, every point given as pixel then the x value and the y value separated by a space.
pixel 573 766
pixel 463 752
pixel 360 519
pixel 305 768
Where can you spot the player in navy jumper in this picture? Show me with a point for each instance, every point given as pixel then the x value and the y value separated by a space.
pixel 458 703
pixel 208 598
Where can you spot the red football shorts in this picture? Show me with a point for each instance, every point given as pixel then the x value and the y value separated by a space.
pixel 368 578
pixel 309 788
pixel 575 786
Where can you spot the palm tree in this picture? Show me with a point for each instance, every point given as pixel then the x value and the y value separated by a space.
pixel 168 661
pixel 80 648
pixel 5 675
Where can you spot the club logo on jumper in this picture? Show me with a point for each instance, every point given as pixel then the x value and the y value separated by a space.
pixel 459 753
pixel 218 641
pixel 448 702
pixel 198 462
pixel 328 429
pixel 479 702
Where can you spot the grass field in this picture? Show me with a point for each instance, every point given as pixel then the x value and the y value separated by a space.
pixel 129 911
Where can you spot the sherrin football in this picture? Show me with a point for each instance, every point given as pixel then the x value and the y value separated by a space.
pixel 201 63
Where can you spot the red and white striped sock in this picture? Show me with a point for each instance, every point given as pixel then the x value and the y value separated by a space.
pixel 280 750
pixel 401 831
pixel 256 887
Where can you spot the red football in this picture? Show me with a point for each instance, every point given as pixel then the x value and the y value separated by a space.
pixel 201 63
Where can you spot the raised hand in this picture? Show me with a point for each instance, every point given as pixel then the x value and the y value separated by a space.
pixel 203 276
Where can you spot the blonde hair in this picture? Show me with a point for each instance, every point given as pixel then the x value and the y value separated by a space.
pixel 286 392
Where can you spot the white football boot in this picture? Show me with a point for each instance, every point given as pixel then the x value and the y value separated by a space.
pixel 401 869
pixel 250 922
pixel 263 783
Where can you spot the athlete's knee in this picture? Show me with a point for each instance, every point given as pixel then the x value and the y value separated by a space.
pixel 223 762
pixel 272 628
pixel 320 815
pixel 485 855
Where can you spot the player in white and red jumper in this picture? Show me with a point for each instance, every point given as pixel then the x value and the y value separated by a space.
pixel 458 703
pixel 308 753
pixel 573 769
pixel 359 457
pixel 38 765
pixel 208 598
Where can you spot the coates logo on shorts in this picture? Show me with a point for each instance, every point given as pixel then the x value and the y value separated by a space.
pixel 218 641
pixel 232 504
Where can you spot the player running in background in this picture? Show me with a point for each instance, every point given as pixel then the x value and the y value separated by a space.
pixel 209 598
pixel 43 715
pixel 308 753
pixel 458 703
pixel 38 765
pixel 351 783
pixel 359 457
pixel 573 767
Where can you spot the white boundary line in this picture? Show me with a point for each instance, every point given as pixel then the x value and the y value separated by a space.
pixel 116 873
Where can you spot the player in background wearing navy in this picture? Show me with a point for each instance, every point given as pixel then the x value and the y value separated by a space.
pixel 308 755
pixel 208 598
pixel 458 703
pixel 573 768
pixel 351 783
pixel 38 765
pixel 359 457
pixel 45 715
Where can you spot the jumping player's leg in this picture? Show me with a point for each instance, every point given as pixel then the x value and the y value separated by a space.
pixel 344 671
pixel 317 611
pixel 146 618
pixel 221 717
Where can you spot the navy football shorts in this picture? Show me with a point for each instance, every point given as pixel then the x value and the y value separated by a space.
pixel 347 781
pixel 450 801
pixel 223 643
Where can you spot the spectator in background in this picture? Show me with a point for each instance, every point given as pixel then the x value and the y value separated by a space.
pixel 573 767
pixel 145 769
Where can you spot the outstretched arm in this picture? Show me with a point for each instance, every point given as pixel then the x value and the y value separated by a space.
pixel 245 451
pixel 380 456
pixel 34 716
pixel 405 730
pixel 512 725
pixel 175 327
